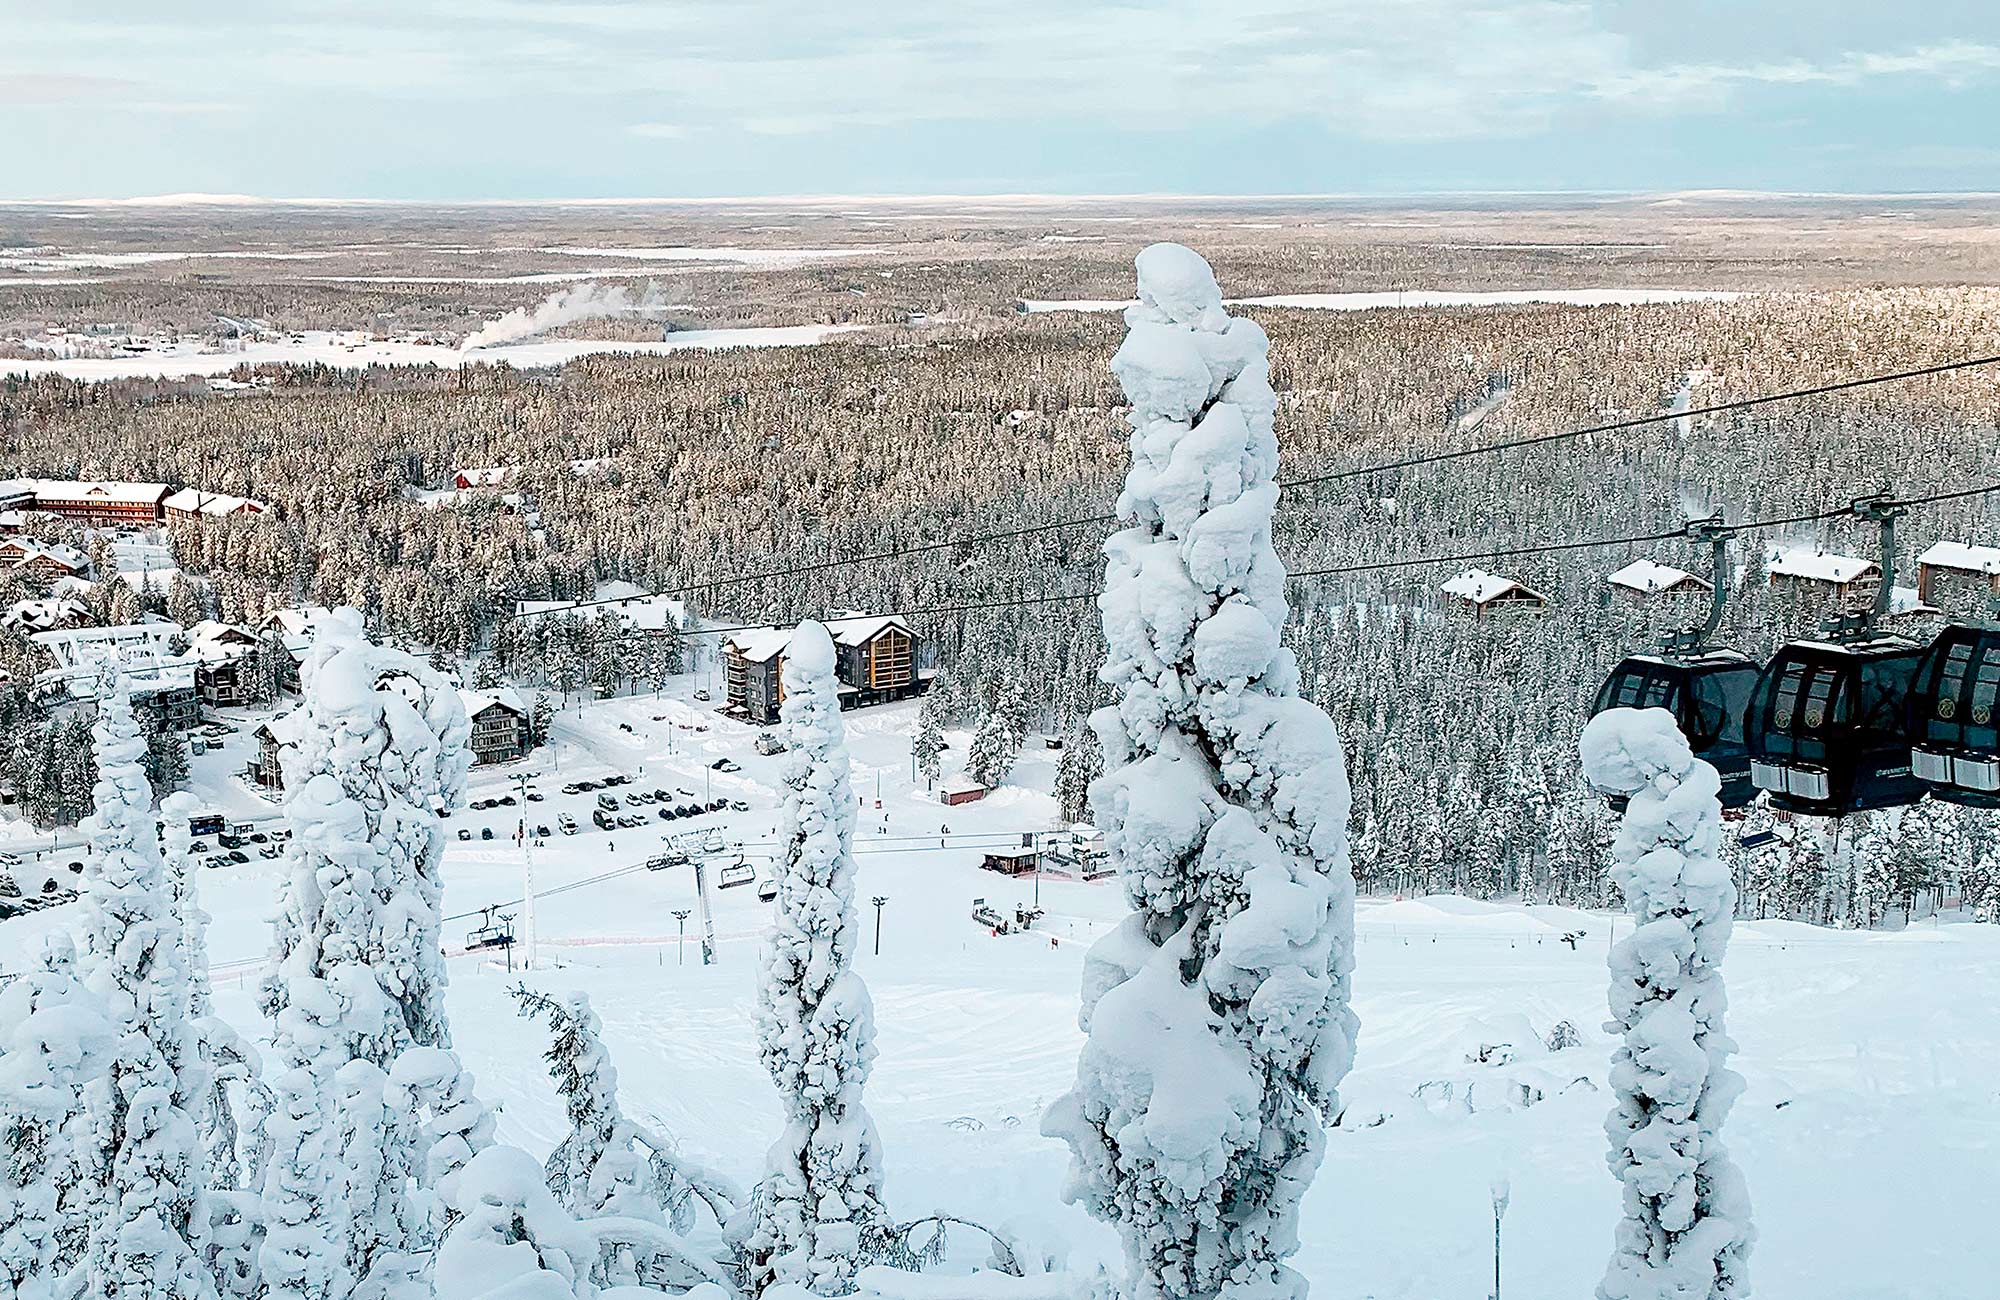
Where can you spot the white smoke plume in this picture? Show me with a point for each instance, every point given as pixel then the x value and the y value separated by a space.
pixel 580 302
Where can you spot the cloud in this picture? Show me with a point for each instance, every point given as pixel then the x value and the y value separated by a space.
pixel 62 88
pixel 1954 63
pixel 658 130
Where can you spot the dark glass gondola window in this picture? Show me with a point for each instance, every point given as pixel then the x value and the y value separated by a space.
pixel 1720 699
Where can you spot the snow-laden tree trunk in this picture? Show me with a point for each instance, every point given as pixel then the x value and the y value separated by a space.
pixel 357 970
pixel 1686 1234
pixel 148 1231
pixel 1217 1013
pixel 816 1030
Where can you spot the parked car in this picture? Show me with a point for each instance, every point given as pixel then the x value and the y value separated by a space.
pixel 534 796
pixel 541 832
pixel 199 846
pixel 703 696
pixel 627 727
pixel 485 832
pixel 725 765
pixel 506 801
pixel 572 788
pixel 259 837
pixel 603 820
pixel 464 833
pixel 238 856
pixel 739 805
pixel 661 795
pixel 617 780
pixel 566 824
pixel 668 814
pixel 608 802
pixel 269 851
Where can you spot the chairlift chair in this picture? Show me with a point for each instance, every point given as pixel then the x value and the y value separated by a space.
pixel 493 932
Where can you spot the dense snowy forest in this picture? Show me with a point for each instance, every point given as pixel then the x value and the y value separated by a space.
pixel 679 472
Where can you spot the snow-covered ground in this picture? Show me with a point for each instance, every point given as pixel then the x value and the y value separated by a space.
pixel 1869 1132
pixel 1364 301
pixel 191 356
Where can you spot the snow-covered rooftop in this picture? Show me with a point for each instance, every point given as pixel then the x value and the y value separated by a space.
pixel 1819 566
pixel 645 613
pixel 487 476
pixel 1479 587
pixel 195 501
pixel 43 615
pixel 961 784
pixel 1650 576
pixel 860 629
pixel 215 642
pixel 477 702
pixel 1958 555
pixel 30 550
pixel 60 489
pixel 758 644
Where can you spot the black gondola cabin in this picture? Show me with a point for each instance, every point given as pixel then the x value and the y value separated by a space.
pixel 1707 693
pixel 1826 730
pixel 1954 717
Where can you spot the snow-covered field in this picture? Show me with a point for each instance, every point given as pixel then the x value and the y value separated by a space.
pixel 187 357
pixel 1365 301
pixel 1868 1132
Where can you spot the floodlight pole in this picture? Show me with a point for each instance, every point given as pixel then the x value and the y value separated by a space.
pixel 527 879
pixel 878 900
pixel 680 945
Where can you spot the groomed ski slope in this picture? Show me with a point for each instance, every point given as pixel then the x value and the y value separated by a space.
pixel 1868 1131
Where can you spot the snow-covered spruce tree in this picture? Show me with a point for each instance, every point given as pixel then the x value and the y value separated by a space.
pixel 1082 762
pixel 816 1031
pixel 357 970
pixel 1217 1013
pixel 55 1041
pixel 609 1167
pixel 1686 1232
pixel 148 1230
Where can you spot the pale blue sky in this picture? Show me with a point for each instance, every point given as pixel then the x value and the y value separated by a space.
pixel 468 99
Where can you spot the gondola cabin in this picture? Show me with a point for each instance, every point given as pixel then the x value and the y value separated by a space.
pixel 1954 732
pixel 1706 692
pixel 1825 727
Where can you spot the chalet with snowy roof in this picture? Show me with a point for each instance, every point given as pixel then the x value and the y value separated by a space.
pixel 1847 578
pixel 101 502
pixel 16 494
pixel 1489 593
pixel 1955 570
pixel 875 661
pixel 1644 582
pixel 29 616
pixel 193 503
pixel 266 769
pixel 286 635
pixel 226 662
pixel 491 476
pixel 43 559
pixel 499 726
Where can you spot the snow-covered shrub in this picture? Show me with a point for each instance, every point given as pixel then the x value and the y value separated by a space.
pixel 1686 1233
pixel 1217 1013
pixel 512 1239
pixel 147 1231
pixel 816 1032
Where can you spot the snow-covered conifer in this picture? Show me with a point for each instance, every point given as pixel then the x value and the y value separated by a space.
pixel 148 1232
pixel 56 1040
pixel 357 964
pixel 816 1032
pixel 1217 1014
pixel 1686 1231
pixel 990 753
pixel 1082 762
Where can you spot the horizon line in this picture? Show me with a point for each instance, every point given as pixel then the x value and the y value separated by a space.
pixel 1001 198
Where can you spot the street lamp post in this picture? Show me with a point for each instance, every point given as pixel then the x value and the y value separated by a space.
pixel 680 945
pixel 878 900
